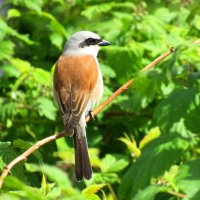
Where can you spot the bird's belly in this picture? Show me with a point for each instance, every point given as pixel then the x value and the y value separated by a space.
pixel 97 93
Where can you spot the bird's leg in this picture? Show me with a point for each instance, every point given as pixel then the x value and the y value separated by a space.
pixel 91 114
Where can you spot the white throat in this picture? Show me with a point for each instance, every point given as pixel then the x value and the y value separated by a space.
pixel 74 50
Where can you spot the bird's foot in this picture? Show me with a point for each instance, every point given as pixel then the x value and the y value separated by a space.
pixel 91 115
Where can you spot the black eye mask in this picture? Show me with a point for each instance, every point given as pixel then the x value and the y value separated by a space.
pixel 89 42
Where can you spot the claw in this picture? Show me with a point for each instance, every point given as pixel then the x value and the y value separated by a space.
pixel 91 115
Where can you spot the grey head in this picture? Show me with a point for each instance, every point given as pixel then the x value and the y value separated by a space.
pixel 84 43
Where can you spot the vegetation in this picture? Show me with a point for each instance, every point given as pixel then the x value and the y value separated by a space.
pixel 143 146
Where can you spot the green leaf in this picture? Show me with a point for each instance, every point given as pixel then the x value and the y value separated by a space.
pixel 113 163
pixel 96 11
pixel 12 13
pixel 7 154
pixel 131 145
pixel 192 120
pixel 46 108
pixel 22 189
pixel 92 189
pixel 41 76
pixel 188 179
pixel 149 192
pixel 53 173
pixel 22 144
pixel 165 15
pixel 6 30
pixel 8 109
pixel 54 193
pixel 8 196
pixel 3 29
pixel 90 197
pixel 122 60
pixel 32 5
pixel 21 65
pixel 57 40
pixel 153 162
pixel 151 135
pixel 10 71
pixel 6 49
pixel 173 108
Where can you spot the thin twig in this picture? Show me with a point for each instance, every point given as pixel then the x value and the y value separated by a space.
pixel 40 143
pixel 177 194
pixel 157 60
pixel 128 83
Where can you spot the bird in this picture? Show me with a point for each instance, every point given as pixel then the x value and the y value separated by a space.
pixel 78 87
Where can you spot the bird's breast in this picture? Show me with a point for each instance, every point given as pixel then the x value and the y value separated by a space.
pixel 98 89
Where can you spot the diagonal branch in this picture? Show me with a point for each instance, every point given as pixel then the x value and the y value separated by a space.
pixel 44 141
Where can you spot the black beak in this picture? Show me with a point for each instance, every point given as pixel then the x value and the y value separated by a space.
pixel 103 43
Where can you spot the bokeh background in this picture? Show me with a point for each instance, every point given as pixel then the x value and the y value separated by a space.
pixel 145 144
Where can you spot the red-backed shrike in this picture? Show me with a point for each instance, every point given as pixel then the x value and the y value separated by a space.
pixel 78 85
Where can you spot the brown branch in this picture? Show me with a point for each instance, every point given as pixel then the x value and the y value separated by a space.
pixel 177 194
pixel 40 143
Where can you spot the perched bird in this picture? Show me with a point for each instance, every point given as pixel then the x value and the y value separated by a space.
pixel 78 85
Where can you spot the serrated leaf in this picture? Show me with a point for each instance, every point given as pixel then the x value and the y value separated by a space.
pixel 107 71
pixel 21 65
pixel 52 172
pixel 152 163
pixel 192 120
pixel 8 109
pixel 44 184
pixel 165 14
pixel 8 196
pixel 32 5
pixel 3 29
pixel 22 189
pixel 131 144
pixel 12 13
pixel 57 40
pixel 6 49
pixel 92 189
pixel 188 179
pixel 7 154
pixel 10 71
pixel 90 197
pixel 41 76
pixel 149 193
pixel 46 108
pixel 113 163
pixel 152 134
pixel 173 108
pixel 54 193
pixel 22 144
pixel 121 59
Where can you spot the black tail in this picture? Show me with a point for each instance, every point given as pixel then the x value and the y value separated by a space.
pixel 82 162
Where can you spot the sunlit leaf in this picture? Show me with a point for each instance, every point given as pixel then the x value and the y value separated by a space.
pixel 92 189
pixel 13 13
pixel 188 179
pixel 152 134
pixel 6 49
pixel 46 108
pixel 113 163
pixel 149 164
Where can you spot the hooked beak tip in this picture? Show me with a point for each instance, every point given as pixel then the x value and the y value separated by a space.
pixel 104 43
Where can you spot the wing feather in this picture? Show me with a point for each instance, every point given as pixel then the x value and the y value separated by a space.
pixel 74 80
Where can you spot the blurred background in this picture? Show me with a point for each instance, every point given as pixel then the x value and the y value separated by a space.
pixel 145 144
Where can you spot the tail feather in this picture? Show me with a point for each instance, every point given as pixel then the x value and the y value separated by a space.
pixel 82 162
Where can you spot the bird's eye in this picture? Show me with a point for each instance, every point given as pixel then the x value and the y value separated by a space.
pixel 91 41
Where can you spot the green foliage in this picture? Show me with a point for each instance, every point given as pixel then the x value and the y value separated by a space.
pixel 145 145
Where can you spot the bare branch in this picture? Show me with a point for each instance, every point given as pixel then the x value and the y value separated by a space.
pixel 40 143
